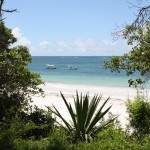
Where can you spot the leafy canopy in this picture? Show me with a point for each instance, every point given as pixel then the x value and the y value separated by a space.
pixel 17 82
pixel 138 59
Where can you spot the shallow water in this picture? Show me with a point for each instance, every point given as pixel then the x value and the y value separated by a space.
pixel 90 71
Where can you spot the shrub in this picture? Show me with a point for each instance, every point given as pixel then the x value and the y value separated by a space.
pixel 55 141
pixel 34 125
pixel 139 115
pixel 6 140
pixel 39 122
pixel 110 138
pixel 58 140
pixel 21 144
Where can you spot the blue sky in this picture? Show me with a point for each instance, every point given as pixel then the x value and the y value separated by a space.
pixel 70 27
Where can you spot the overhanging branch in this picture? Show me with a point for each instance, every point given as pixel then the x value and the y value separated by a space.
pixel 5 10
pixel 142 17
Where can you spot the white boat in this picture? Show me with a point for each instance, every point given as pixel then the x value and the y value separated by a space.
pixel 50 66
pixel 72 68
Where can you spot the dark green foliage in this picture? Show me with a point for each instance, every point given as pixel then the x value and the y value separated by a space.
pixel 36 115
pixel 16 81
pixel 138 59
pixel 145 143
pixel 110 138
pixel 6 38
pixel 26 129
pixel 139 115
pixel 84 118
pixel 113 139
pixel 38 123
pixel 35 124
pixel 58 140
pixel 30 144
pixel 6 140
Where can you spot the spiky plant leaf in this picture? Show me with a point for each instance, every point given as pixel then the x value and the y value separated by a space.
pixel 99 115
pixel 70 111
pixel 84 117
pixel 60 116
pixel 92 108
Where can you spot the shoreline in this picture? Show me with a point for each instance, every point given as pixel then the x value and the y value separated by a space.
pixel 121 93
pixel 118 97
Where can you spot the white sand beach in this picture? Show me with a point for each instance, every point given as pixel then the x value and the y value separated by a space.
pixel 118 97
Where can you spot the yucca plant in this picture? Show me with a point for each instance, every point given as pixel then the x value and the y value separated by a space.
pixel 85 117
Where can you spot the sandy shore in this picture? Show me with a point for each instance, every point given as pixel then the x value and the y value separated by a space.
pixel 118 97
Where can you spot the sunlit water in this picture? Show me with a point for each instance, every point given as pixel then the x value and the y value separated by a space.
pixel 90 71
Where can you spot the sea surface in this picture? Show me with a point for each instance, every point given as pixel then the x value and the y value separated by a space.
pixel 89 71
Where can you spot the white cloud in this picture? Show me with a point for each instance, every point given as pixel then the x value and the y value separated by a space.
pixel 63 45
pixel 83 46
pixel 109 48
pixel 79 43
pixel 77 46
pixel 83 43
pixel 21 39
pixel 73 47
pixel 107 42
pixel 16 32
pixel 44 45
pixel 91 47
pixel 90 42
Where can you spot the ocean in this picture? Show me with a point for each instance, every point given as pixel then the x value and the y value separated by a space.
pixel 89 71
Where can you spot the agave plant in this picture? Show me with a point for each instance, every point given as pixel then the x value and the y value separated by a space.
pixel 85 117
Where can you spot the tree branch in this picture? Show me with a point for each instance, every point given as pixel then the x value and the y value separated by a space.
pixel 142 17
pixel 9 11
pixel 5 10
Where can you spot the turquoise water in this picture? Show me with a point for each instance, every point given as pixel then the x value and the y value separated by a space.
pixel 90 71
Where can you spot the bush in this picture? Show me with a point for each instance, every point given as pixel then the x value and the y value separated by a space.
pixel 34 125
pixel 55 141
pixel 58 140
pixel 139 115
pixel 113 139
pixel 21 144
pixel 38 123
pixel 110 138
pixel 6 140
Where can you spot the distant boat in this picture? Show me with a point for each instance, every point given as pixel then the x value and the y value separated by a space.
pixel 72 68
pixel 50 66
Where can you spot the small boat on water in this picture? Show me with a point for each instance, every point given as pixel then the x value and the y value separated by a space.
pixel 72 68
pixel 50 66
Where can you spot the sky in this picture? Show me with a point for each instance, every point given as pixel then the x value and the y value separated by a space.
pixel 70 27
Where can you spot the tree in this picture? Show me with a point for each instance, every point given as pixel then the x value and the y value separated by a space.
pixel 142 17
pixel 5 10
pixel 17 83
pixel 138 59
